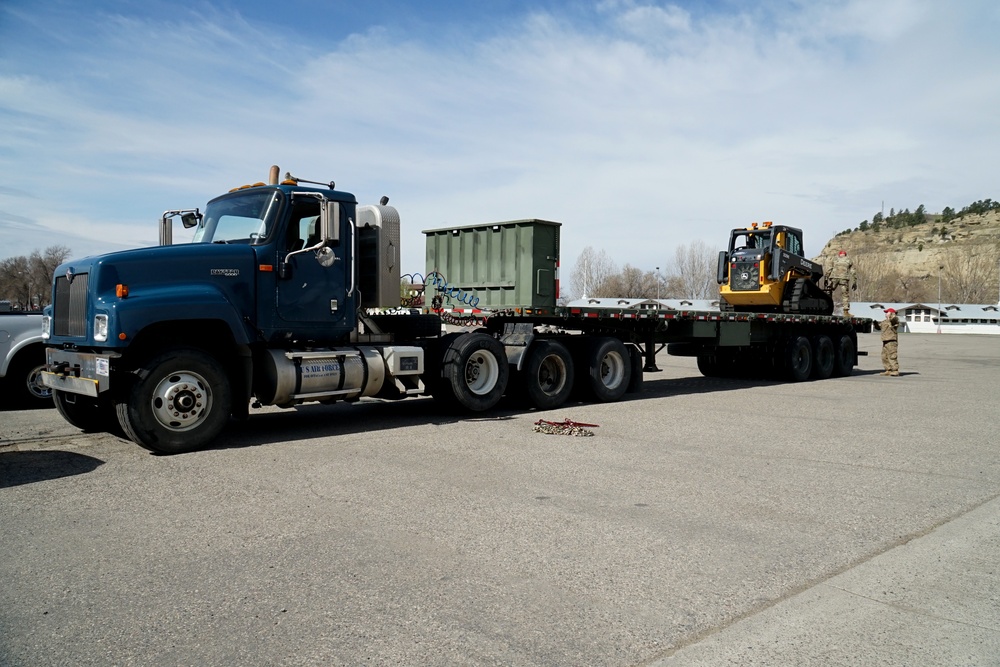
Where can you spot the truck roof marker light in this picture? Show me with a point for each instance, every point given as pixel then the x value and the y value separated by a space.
pixel 121 290
pixel 266 268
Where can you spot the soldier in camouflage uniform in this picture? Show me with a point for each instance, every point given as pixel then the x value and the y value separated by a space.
pixel 842 275
pixel 890 342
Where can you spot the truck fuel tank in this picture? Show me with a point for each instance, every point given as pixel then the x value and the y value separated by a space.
pixel 291 377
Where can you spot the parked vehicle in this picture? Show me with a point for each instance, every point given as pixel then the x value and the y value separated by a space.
pixel 290 292
pixel 22 359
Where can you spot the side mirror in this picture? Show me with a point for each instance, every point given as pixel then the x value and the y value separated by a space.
pixel 329 221
pixel 191 219
pixel 723 268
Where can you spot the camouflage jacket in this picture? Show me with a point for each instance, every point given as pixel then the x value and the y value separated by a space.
pixel 843 269
pixel 889 327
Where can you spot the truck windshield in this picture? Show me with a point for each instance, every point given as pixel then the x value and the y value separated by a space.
pixel 245 218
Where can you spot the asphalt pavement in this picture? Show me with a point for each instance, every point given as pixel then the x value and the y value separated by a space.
pixel 853 521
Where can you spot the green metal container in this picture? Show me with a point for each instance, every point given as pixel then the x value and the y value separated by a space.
pixel 494 266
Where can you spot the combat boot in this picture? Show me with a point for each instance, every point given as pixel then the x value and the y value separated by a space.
pixel 894 374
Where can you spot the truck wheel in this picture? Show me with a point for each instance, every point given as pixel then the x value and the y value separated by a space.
pixel 798 359
pixel 25 377
pixel 180 402
pixel 609 370
pixel 845 355
pixel 548 374
pixel 824 357
pixel 90 415
pixel 475 371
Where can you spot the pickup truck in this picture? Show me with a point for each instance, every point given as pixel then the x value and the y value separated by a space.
pixel 22 359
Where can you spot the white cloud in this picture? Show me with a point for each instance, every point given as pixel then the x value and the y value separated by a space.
pixel 651 126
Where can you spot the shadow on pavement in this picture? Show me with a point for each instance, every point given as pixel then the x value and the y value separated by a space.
pixel 17 468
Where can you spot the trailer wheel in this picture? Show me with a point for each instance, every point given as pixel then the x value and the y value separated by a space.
pixel 180 402
pixel 475 371
pixel 90 415
pixel 708 366
pixel 635 382
pixel 845 356
pixel 547 375
pixel 824 357
pixel 798 359
pixel 609 370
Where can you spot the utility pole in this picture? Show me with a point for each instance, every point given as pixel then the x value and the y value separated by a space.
pixel 939 299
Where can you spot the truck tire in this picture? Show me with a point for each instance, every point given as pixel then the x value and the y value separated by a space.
pixel 180 401
pixel 845 356
pixel 547 374
pixel 798 359
pixel 824 357
pixel 24 376
pixel 474 370
pixel 609 370
pixel 90 415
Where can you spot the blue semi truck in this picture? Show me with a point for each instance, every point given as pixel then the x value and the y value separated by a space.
pixel 289 292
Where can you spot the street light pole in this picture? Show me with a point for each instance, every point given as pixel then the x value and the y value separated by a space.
pixel 939 300
pixel 657 285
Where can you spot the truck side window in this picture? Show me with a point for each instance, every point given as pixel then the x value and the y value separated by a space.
pixel 303 228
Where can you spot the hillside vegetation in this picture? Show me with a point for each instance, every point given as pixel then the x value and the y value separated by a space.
pixel 901 257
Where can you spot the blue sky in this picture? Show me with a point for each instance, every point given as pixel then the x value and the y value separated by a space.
pixel 639 125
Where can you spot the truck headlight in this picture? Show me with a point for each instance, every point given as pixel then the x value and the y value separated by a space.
pixel 100 328
pixel 46 327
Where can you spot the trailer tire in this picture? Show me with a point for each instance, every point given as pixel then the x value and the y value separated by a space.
pixel 609 370
pixel 824 357
pixel 547 374
pixel 635 381
pixel 474 370
pixel 180 401
pixel 708 366
pixel 90 415
pixel 798 359
pixel 845 356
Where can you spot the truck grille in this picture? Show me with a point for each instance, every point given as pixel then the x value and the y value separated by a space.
pixel 744 276
pixel 70 307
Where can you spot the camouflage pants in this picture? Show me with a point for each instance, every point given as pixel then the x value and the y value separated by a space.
pixel 889 359
pixel 845 293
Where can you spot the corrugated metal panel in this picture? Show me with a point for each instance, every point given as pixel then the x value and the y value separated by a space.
pixel 495 265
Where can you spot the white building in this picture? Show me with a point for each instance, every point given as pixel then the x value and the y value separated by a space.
pixel 955 318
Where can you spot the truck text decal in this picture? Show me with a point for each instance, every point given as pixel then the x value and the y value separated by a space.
pixel 229 273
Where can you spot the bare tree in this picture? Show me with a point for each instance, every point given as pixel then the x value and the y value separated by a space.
pixel 591 274
pixel 968 277
pixel 692 275
pixel 26 281
pixel 632 283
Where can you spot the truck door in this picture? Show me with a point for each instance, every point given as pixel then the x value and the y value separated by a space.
pixel 311 296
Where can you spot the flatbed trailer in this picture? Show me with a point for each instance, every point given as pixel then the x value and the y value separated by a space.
pixel 794 347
